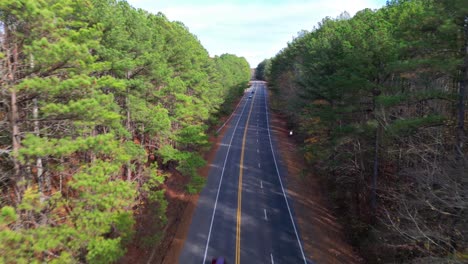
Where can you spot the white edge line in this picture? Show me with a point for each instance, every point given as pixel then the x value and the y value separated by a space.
pixel 281 183
pixel 219 185
pixel 272 261
pixel 264 211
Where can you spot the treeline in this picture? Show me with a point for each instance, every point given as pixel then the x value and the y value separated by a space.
pixel 98 101
pixel 379 101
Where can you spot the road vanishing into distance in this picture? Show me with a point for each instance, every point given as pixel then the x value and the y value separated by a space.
pixel 243 213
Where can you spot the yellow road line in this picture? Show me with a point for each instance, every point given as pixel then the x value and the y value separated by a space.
pixel 239 189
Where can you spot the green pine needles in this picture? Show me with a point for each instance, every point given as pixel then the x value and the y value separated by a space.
pixel 379 102
pixel 99 100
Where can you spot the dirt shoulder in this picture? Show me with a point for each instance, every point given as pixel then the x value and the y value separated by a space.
pixel 182 206
pixel 181 227
pixel 321 234
pixel 180 209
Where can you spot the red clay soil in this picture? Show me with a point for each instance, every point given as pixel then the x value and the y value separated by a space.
pixel 182 226
pixel 142 249
pixel 321 234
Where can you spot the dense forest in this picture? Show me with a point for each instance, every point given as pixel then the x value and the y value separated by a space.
pixel 379 101
pixel 99 101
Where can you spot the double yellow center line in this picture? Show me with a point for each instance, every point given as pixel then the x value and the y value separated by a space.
pixel 239 189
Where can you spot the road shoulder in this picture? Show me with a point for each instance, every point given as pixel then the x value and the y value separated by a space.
pixel 184 218
pixel 322 236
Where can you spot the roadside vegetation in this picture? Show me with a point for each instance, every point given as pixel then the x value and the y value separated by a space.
pixel 99 101
pixel 379 102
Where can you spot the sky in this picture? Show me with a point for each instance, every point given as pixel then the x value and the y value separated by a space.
pixel 255 29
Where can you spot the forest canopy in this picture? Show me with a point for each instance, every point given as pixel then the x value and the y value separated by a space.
pixel 98 101
pixel 379 103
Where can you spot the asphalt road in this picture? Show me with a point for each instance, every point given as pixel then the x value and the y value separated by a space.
pixel 245 215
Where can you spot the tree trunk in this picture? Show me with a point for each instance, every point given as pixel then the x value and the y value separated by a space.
pixel 362 170
pixel 39 168
pixel 128 125
pixel 11 65
pixel 15 132
pixel 461 136
pixel 375 172
pixel 92 155
pixel 39 172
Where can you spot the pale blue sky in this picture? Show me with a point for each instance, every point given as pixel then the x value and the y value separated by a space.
pixel 253 29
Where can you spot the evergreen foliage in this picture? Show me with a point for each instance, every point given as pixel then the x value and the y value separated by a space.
pixel 379 102
pixel 98 99
pixel 262 69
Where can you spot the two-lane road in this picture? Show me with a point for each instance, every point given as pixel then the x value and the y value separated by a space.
pixel 243 213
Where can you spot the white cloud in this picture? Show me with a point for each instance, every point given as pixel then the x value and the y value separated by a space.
pixel 253 30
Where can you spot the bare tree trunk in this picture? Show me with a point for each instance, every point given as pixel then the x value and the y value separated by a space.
pixel 129 172
pixel 375 172
pixel 461 136
pixel 139 164
pixel 127 105
pixel 92 155
pixel 360 180
pixel 128 125
pixel 142 143
pixel 39 167
pixel 15 132
pixel 10 72
pixel 37 133
pixel 15 135
pixel 9 78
